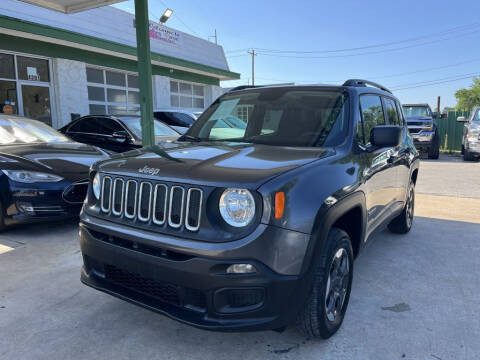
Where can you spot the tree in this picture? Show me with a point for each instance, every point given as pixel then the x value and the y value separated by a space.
pixel 467 99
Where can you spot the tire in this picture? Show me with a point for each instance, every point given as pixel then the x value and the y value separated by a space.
pixel 467 156
pixel 434 149
pixel 403 222
pixel 335 271
pixel 2 223
pixel 463 150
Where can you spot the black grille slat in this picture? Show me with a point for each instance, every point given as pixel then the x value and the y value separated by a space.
pixel 177 206
pixel 163 291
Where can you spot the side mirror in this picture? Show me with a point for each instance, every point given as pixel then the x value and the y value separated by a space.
pixel 461 119
pixel 120 136
pixel 386 136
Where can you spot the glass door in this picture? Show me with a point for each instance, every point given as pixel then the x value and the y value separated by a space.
pixel 36 103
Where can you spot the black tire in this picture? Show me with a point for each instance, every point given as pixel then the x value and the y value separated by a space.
pixel 434 149
pixel 463 149
pixel 337 273
pixel 403 222
pixel 467 156
pixel 2 223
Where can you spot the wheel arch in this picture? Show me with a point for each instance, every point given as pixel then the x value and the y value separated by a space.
pixel 348 214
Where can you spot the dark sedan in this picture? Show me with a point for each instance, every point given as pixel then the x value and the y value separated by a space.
pixel 115 133
pixel 43 174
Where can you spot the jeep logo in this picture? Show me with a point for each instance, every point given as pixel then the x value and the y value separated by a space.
pixel 149 171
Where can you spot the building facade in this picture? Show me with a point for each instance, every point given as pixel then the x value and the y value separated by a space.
pixel 54 66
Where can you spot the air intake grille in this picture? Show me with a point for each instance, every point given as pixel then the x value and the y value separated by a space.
pixel 147 201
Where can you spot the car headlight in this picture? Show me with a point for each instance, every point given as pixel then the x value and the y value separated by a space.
pixel 237 207
pixel 96 186
pixel 24 176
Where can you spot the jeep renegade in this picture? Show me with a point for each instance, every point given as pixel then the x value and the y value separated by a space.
pixel 252 219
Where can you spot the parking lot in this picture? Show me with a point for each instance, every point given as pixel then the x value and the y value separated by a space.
pixel 414 297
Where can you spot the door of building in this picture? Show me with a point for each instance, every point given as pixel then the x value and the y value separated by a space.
pixel 25 87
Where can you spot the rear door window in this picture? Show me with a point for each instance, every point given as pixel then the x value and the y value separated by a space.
pixel 392 113
pixel 372 115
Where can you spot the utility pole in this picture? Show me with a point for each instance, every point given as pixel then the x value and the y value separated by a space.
pixel 438 105
pixel 253 65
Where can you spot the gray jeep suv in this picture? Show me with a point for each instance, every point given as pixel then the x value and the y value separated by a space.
pixel 254 224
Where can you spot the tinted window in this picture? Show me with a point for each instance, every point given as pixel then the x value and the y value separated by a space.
pixel 279 116
pixel 391 109
pixel 372 114
pixel 7 67
pixel 94 125
pixel 33 69
pixel 175 118
pixel 135 126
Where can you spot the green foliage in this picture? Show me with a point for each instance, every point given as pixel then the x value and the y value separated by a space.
pixel 467 99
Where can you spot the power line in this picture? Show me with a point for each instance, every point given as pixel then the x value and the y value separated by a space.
pixel 435 83
pixel 427 36
pixel 368 52
pixel 453 77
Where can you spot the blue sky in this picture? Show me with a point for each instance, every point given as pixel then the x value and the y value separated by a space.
pixel 446 47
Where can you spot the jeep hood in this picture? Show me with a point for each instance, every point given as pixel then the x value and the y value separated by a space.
pixel 212 163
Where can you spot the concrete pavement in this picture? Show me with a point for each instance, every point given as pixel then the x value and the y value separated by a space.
pixel 414 297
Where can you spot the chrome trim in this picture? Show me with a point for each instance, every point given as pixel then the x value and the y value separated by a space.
pixel 139 211
pixel 102 195
pixel 118 213
pixel 172 224
pixel 125 207
pixel 154 206
pixel 187 226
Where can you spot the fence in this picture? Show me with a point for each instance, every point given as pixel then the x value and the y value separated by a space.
pixel 451 131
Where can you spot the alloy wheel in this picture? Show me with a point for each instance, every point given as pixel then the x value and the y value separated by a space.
pixel 337 285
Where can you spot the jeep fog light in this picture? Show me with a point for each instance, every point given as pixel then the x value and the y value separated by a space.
pixel 241 269
pixel 96 186
pixel 237 207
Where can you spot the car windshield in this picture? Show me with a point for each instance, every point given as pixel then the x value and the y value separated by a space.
pixel 476 117
pixel 26 131
pixel 416 111
pixel 276 116
pixel 135 126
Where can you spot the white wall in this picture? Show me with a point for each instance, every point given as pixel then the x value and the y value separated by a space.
pixel 116 25
pixel 70 87
pixel 161 92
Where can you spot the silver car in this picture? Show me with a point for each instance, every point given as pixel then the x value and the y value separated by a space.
pixel 471 135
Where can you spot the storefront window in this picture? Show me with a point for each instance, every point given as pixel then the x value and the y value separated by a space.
pixel 187 95
pixel 33 69
pixel 7 66
pixel 112 92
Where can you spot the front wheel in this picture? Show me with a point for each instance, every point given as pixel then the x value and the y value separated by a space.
pixel 434 149
pixel 403 222
pixel 325 307
pixel 2 223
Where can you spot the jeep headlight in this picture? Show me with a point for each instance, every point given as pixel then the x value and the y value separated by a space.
pixel 96 186
pixel 24 176
pixel 237 207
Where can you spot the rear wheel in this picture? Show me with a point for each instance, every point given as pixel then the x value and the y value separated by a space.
pixel 434 149
pixel 2 222
pixel 403 222
pixel 325 307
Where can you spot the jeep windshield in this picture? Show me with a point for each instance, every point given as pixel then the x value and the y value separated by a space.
pixel 411 111
pixel 275 116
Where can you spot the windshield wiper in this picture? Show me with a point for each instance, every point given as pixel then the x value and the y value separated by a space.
pixel 185 137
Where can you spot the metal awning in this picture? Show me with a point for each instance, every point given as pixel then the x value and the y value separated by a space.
pixel 71 6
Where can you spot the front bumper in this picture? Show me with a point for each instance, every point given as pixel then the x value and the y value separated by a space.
pixel 186 285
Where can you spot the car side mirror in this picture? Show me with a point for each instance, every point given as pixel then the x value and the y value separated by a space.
pixel 461 119
pixel 386 136
pixel 120 136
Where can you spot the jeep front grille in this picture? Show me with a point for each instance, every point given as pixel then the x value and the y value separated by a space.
pixel 148 201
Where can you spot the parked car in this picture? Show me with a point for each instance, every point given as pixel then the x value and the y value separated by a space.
pixel 180 120
pixel 115 133
pixel 471 135
pixel 422 127
pixel 43 174
pixel 254 231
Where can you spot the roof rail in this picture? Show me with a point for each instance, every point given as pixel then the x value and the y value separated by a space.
pixel 364 83
pixel 243 87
